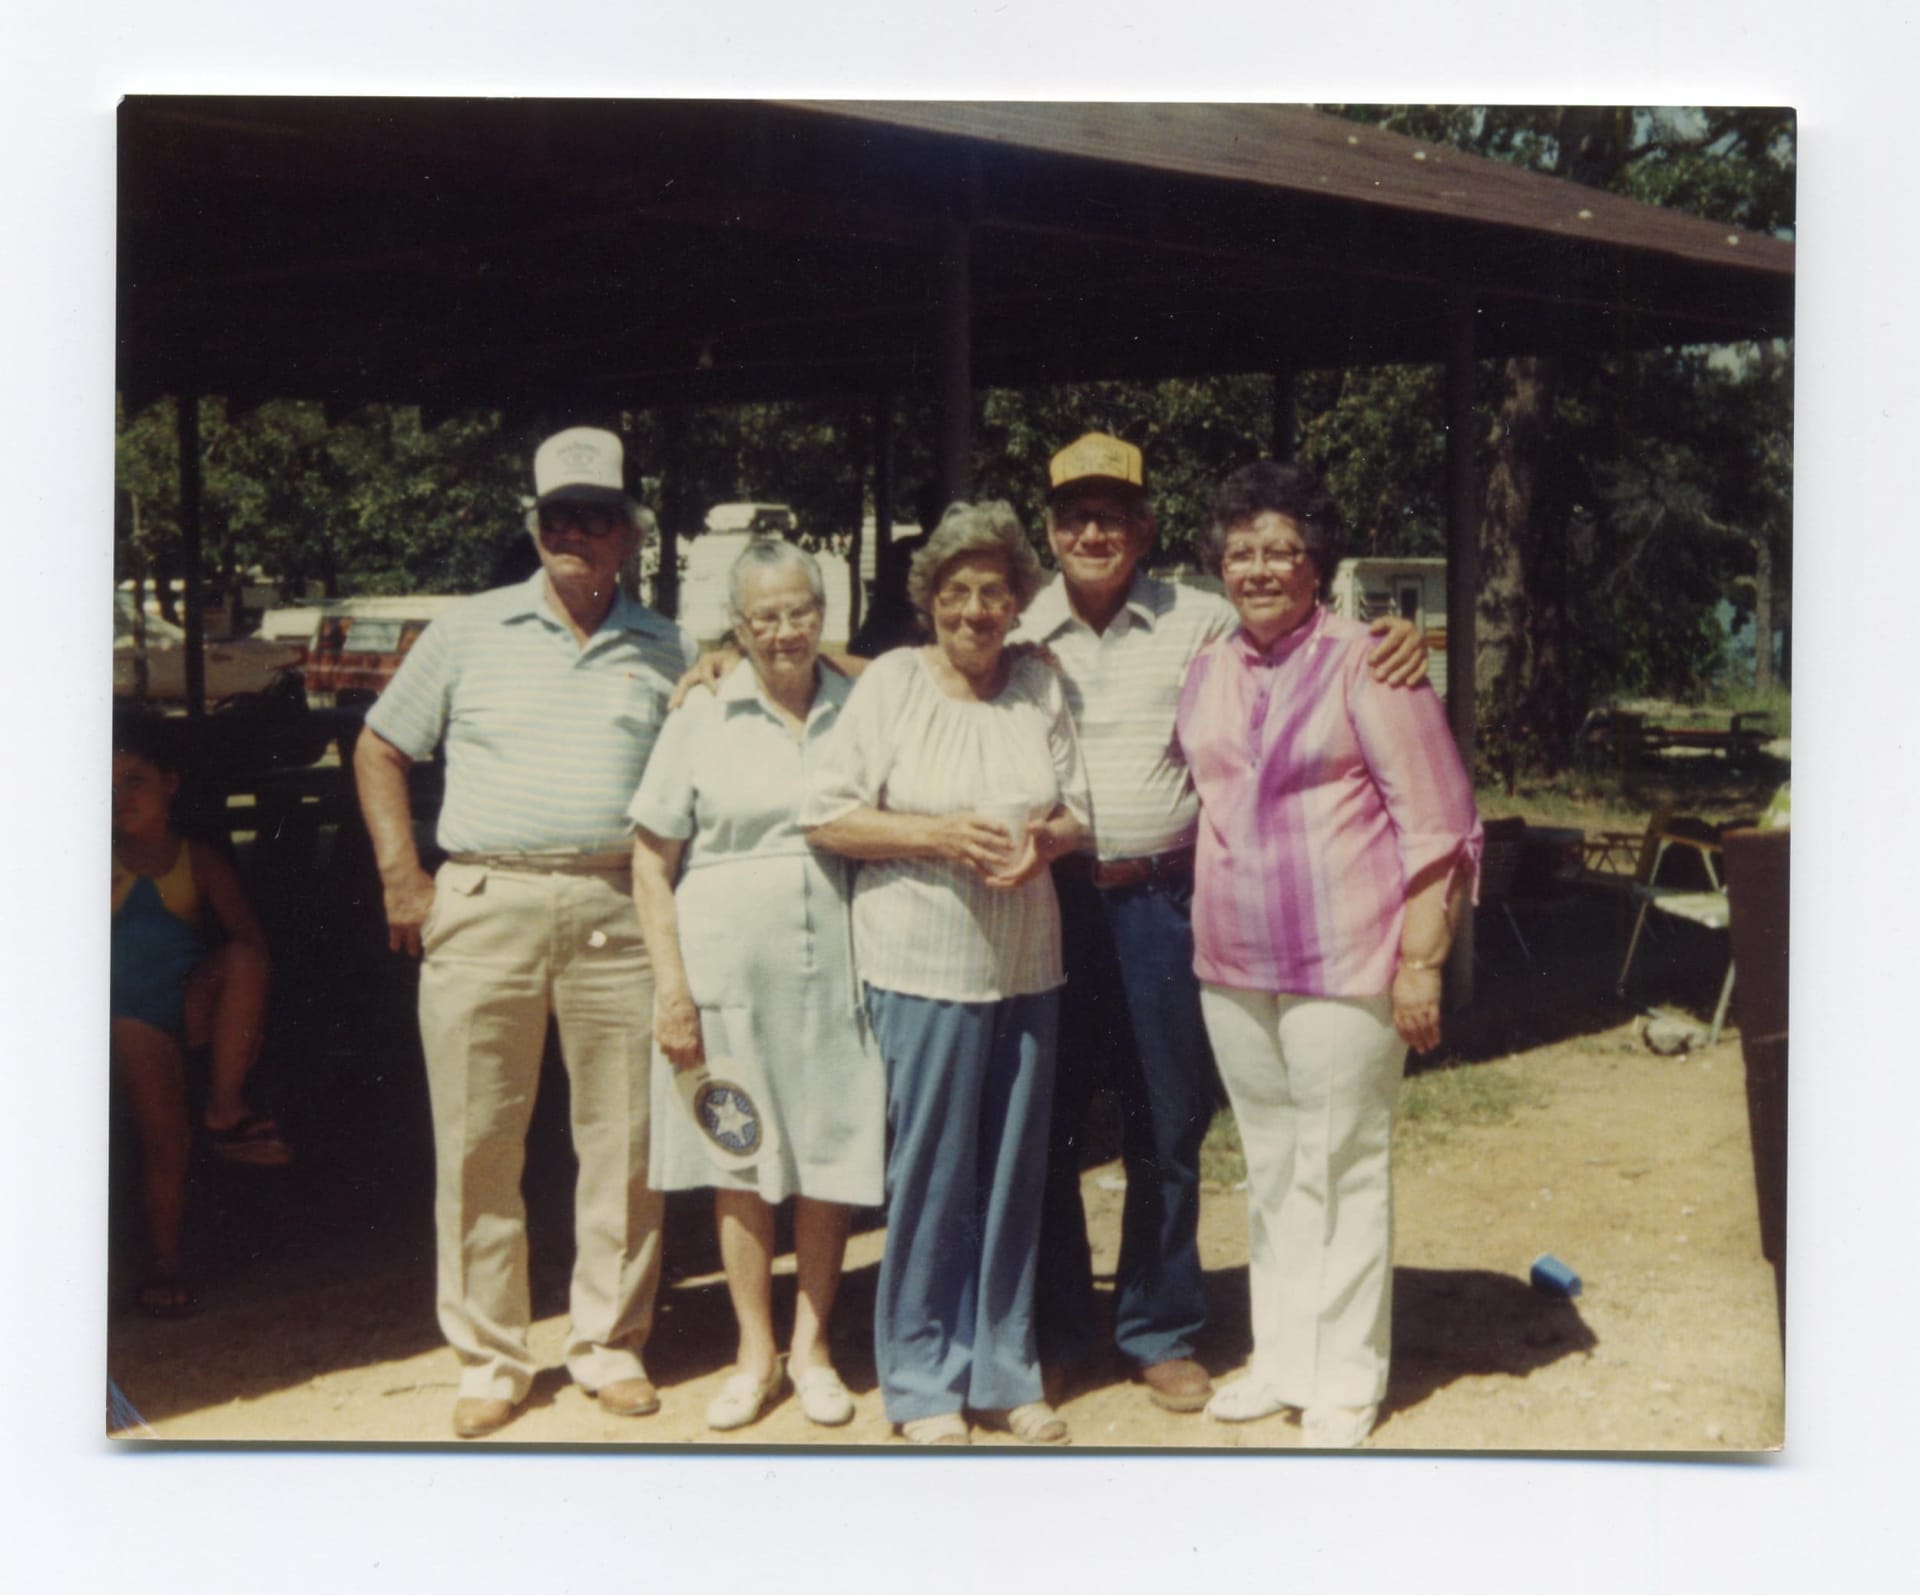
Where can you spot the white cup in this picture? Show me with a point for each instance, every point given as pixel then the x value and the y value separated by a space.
pixel 1011 815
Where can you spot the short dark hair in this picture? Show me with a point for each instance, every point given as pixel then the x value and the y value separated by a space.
pixel 147 736
pixel 1287 489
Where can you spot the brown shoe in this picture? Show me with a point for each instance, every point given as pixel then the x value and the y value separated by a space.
pixel 1179 1385
pixel 628 1398
pixel 474 1416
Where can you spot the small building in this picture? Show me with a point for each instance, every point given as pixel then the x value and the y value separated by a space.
pixel 1415 589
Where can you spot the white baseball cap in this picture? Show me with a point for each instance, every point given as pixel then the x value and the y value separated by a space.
pixel 582 465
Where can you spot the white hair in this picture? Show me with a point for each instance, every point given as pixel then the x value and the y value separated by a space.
pixel 770 554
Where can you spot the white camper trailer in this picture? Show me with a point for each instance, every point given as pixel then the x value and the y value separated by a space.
pixel 1416 589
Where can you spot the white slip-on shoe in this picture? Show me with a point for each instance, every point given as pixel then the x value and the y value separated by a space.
pixel 1246 1399
pixel 743 1398
pixel 823 1398
pixel 1337 1428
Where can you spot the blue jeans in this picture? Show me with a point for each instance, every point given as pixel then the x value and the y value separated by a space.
pixel 968 1085
pixel 1131 1014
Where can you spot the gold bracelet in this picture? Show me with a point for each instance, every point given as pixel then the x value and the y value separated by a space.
pixel 1423 963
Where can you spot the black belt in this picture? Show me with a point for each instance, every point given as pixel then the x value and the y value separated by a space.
pixel 1115 874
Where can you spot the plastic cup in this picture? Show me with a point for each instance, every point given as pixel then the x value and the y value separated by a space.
pixel 1553 1277
pixel 1010 815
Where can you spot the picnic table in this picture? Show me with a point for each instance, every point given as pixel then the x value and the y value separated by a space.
pixel 1632 735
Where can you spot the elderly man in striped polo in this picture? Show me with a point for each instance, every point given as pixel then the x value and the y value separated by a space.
pixel 1131 1009
pixel 547 697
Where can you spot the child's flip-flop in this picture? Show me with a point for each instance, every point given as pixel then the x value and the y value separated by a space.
pixel 252 1139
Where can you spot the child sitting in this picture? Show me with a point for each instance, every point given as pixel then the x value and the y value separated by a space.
pixel 173 986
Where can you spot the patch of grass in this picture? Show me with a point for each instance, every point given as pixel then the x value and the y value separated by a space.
pixel 1221 1160
pixel 1432 1107
pixel 1435 1104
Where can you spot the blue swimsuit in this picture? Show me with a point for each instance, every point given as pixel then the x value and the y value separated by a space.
pixel 157 944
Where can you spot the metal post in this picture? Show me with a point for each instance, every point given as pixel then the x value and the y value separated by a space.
pixel 883 496
pixel 956 364
pixel 1463 584
pixel 187 416
pixel 673 508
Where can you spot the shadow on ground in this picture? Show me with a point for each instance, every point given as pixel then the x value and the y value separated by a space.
pixel 1448 1324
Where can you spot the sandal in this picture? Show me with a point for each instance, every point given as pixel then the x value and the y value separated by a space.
pixel 252 1139
pixel 1032 1423
pixel 165 1294
pixel 943 1428
pixel 823 1398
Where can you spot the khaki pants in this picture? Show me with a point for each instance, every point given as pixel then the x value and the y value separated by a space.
pixel 503 949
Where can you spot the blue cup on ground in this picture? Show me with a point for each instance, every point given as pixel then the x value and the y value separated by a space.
pixel 1553 1277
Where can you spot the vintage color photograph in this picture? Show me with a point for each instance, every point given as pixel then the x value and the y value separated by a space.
pixel 1250 644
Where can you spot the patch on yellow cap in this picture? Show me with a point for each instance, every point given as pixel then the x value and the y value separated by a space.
pixel 1097 457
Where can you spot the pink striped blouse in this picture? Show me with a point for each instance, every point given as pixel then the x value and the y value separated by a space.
pixel 1322 794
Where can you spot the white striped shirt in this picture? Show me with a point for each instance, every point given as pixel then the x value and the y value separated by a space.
pixel 928 927
pixel 545 739
pixel 1123 686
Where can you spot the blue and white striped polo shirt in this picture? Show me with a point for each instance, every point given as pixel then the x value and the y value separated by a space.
pixel 1123 686
pixel 545 740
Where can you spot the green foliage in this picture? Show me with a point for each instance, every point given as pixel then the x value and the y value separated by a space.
pixel 375 496
pixel 1374 435
pixel 1192 431
pixel 1670 470
pixel 1437 1103
pixel 1434 1105
pixel 1222 1162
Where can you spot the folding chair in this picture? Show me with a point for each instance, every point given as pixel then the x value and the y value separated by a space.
pixel 1503 843
pixel 1704 905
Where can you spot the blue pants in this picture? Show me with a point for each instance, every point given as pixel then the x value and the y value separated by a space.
pixel 968 1086
pixel 1131 1014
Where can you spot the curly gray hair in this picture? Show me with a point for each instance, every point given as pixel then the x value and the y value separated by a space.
pixel 989 527
pixel 769 554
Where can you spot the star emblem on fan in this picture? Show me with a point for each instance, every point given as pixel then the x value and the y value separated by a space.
pixel 728 1115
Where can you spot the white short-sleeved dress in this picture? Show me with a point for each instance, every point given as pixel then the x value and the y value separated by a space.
pixel 765 936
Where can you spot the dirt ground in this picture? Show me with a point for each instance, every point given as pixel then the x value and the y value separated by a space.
pixel 1633 1168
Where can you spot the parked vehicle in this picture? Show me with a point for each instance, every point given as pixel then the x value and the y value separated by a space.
pixel 356 644
pixel 233 665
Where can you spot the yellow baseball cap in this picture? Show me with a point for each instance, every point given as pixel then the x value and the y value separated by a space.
pixel 1099 458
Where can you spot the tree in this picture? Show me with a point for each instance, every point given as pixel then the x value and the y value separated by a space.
pixel 1586 454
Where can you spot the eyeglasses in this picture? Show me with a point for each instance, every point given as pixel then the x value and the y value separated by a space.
pixel 1074 519
pixel 766 622
pixel 1284 559
pixel 992 597
pixel 579 521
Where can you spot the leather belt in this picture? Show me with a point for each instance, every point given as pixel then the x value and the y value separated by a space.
pixel 1116 874
pixel 552 861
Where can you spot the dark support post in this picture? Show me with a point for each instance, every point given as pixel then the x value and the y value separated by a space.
pixel 1286 421
pixel 673 508
pixel 884 493
pixel 187 414
pixel 956 364
pixel 1463 584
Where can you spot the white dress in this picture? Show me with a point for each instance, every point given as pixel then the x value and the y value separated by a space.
pixel 766 939
pixel 926 926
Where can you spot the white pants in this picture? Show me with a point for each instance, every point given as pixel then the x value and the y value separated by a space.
pixel 1313 1082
